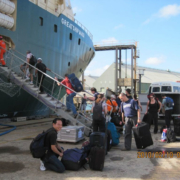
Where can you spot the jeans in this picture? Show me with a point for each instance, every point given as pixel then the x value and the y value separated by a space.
pixel 83 107
pixel 54 164
pixel 129 123
pixel 70 104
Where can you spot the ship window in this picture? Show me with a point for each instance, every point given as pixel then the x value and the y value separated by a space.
pixel 55 28
pixel 90 49
pixel 70 36
pixel 81 70
pixel 41 21
pixel 79 41
pixel 68 63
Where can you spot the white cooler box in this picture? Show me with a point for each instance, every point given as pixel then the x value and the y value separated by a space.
pixel 71 134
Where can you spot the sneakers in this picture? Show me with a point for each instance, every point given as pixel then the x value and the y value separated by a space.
pixel 27 78
pixel 75 116
pixel 68 110
pixel 42 167
pixel 31 83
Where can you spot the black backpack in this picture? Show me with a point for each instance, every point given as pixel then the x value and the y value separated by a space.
pixel 33 60
pixel 97 112
pixel 37 148
pixel 171 137
pixel 43 67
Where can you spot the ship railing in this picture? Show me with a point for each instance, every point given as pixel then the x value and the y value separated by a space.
pixel 14 62
pixel 84 28
pixel 81 25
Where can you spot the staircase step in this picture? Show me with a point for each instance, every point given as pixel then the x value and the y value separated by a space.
pixel 43 95
pixel 35 89
pixel 48 98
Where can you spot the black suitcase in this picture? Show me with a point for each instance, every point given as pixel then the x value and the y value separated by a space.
pixel 98 139
pixel 142 135
pixel 147 118
pixel 109 140
pixel 96 158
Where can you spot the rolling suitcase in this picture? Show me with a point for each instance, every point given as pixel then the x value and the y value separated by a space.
pixel 142 135
pixel 71 134
pixel 98 139
pixel 96 158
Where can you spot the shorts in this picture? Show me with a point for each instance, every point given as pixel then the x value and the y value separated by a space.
pixel 31 70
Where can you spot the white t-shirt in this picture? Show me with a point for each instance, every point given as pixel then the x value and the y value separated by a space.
pixel 28 56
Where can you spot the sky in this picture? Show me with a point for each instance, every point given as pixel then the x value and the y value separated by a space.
pixel 155 25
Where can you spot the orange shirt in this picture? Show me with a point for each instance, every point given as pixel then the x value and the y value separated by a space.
pixel 3 44
pixel 114 105
pixel 67 83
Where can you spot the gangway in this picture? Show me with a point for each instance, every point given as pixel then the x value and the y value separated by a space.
pixel 51 100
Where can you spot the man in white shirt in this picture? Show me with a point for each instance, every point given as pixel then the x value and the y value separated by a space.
pixel 29 69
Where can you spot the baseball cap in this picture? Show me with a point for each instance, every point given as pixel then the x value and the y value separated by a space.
pixel 113 96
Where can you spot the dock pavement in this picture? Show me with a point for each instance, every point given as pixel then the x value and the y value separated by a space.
pixel 16 162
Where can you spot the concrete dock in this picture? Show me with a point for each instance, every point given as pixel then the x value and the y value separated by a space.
pixel 16 162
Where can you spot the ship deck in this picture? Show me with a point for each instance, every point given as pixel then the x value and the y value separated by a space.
pixel 17 163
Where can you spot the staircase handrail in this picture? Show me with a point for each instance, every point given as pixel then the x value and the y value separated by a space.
pixel 49 75
pixel 55 73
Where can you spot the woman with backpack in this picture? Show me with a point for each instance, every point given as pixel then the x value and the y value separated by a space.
pixel 153 108
pixel 99 110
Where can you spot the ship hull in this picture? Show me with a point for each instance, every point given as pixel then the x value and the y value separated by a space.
pixel 60 53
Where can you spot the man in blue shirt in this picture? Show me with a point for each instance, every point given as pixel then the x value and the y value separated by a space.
pixel 130 117
pixel 168 110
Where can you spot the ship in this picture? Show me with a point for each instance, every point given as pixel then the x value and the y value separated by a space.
pixel 49 30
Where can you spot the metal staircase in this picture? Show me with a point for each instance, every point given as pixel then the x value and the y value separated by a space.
pixel 51 99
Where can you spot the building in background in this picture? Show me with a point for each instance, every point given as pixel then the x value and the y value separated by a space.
pixel 89 81
pixel 107 79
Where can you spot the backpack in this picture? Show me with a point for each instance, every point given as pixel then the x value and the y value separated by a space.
pixel 171 137
pixel 75 83
pixel 37 148
pixel 115 135
pixel 97 112
pixel 169 102
pixel 33 60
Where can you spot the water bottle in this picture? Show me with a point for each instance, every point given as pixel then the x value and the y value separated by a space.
pixel 163 136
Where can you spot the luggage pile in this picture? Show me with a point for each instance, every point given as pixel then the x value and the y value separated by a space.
pixel 92 151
